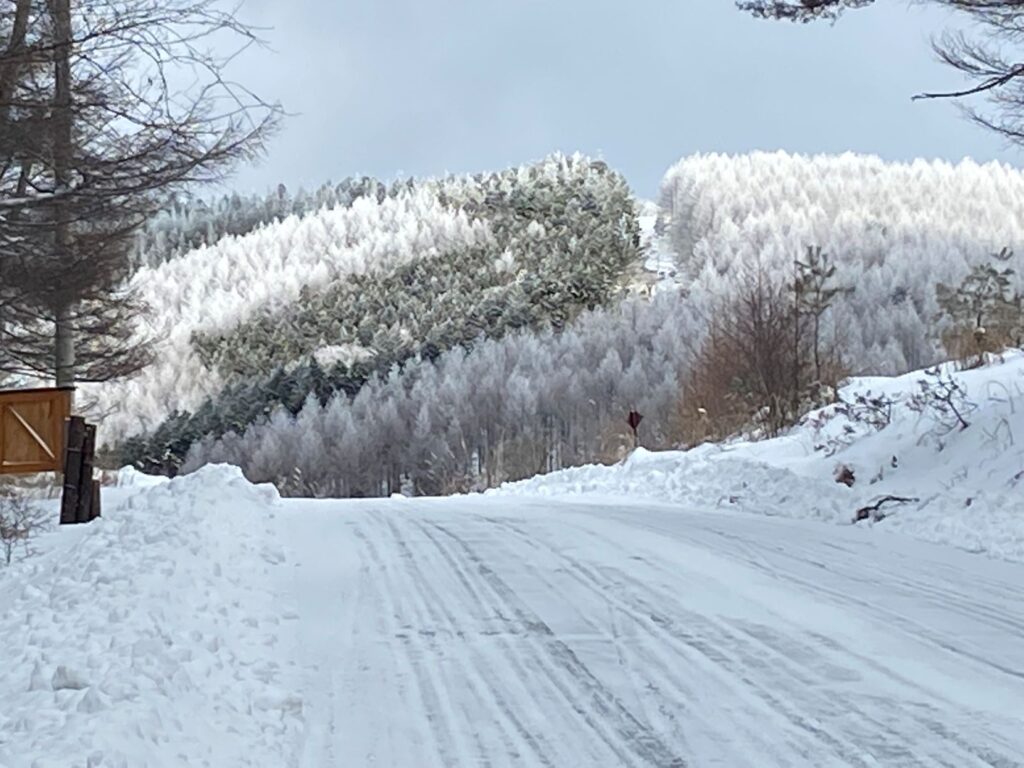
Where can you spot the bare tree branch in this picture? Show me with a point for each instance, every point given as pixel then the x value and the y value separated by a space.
pixel 106 108
pixel 984 57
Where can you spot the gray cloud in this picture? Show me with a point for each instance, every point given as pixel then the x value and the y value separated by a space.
pixel 421 88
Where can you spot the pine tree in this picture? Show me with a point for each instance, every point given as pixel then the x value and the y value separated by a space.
pixel 985 310
pixel 814 290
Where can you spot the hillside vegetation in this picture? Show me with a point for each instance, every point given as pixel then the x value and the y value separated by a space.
pixel 463 332
pixel 218 287
pixel 908 463
pixel 893 230
pixel 545 242
pixel 187 223
pixel 505 409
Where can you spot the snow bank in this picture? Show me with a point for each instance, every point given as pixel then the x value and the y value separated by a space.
pixel 968 483
pixel 142 639
pixel 130 477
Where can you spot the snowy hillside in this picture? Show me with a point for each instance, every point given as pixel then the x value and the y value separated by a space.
pixel 300 317
pixel 522 250
pixel 967 484
pixel 894 230
pixel 213 288
pixel 659 268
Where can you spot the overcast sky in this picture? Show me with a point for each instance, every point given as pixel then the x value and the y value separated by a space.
pixel 424 87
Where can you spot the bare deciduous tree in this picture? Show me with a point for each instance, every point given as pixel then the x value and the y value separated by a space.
pixel 20 520
pixel 745 373
pixel 106 107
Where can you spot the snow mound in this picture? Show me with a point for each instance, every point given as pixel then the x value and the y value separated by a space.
pixel 142 639
pixel 966 483
pixel 130 477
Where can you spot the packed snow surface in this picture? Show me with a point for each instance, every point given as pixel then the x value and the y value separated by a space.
pixel 205 622
pixel 967 484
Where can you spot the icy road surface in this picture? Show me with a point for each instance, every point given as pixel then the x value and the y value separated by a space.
pixel 516 632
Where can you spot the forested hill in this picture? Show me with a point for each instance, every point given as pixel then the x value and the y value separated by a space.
pixel 893 231
pixel 350 292
pixel 451 334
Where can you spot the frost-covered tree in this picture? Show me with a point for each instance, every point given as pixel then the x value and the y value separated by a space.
pixel 505 409
pixel 814 291
pixel 187 222
pixel 892 232
pixel 985 310
pixel 95 125
pixel 219 287
pixel 555 239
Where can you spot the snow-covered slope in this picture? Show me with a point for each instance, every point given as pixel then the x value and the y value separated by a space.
pixel 659 267
pixel 967 484
pixel 215 288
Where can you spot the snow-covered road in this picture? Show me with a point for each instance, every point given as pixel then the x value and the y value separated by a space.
pixel 503 631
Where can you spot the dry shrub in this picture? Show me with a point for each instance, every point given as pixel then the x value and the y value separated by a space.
pixel 970 346
pixel 757 370
pixel 986 309
pixel 615 443
pixel 20 521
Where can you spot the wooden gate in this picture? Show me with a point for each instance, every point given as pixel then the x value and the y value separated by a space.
pixel 32 425
pixel 39 434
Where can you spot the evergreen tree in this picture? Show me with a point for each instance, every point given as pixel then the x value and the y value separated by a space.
pixel 985 309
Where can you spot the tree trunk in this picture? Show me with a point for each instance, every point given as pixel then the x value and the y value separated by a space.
pixel 64 349
pixel 13 61
pixel 64 341
pixel 817 343
pixel 797 362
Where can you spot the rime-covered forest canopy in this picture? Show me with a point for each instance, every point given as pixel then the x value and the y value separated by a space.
pixel 450 334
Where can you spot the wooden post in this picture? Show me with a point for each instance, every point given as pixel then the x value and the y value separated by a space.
pixel 633 419
pixel 85 489
pixel 72 470
pixel 94 509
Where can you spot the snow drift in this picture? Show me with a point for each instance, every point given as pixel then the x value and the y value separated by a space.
pixel 146 638
pixel 967 483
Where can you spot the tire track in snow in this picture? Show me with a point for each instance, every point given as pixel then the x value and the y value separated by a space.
pixel 745 551
pixel 432 611
pixel 981 754
pixel 851 564
pixel 386 592
pixel 497 696
pixel 712 636
pixel 629 737
pixel 676 694
pixel 708 642
pixel 545 671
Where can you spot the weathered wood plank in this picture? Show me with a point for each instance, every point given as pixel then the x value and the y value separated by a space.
pixel 85 489
pixel 72 470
